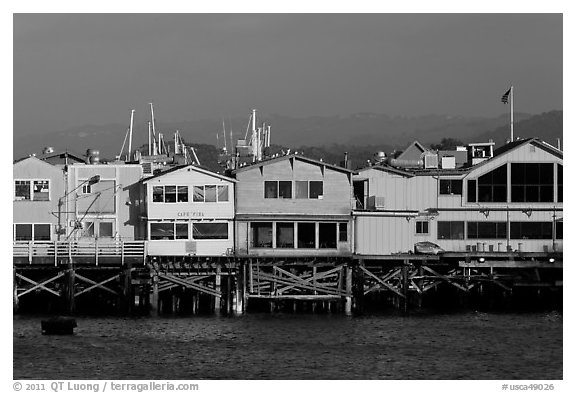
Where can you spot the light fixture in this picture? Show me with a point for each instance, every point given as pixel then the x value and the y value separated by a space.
pixel 528 212
pixel 551 260
pixel 481 259
pixel 486 212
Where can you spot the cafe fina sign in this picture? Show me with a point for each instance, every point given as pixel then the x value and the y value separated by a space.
pixel 190 214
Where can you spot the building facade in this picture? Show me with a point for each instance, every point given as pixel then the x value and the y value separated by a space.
pixel 293 206
pixel 189 211
pixel 511 201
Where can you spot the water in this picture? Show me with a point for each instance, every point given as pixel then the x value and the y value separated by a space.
pixel 291 346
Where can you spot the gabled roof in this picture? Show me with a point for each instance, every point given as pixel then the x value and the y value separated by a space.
pixel 388 168
pixel 63 154
pixel 294 156
pixel 414 145
pixel 195 168
pixel 21 160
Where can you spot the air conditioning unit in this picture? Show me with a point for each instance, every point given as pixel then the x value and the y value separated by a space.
pixel 379 202
pixel 430 161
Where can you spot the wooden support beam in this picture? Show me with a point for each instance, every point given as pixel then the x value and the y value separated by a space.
pixel 445 278
pixel 39 285
pixel 381 282
pixel 348 299
pixel 187 284
pixel 302 284
pixel 96 285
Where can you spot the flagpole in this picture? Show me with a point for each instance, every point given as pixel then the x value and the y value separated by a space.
pixel 511 113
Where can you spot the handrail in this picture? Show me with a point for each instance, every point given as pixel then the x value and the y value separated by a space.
pixel 67 249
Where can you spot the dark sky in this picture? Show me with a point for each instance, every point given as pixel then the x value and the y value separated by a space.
pixel 73 70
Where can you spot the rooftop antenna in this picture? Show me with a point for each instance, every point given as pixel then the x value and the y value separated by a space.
pixel 124 143
pixel 128 157
pixel 224 132
pixel 149 138
pixel 176 146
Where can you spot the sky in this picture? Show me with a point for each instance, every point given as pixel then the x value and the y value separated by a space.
pixel 71 70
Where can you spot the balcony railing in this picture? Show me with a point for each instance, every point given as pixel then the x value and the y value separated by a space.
pixel 59 252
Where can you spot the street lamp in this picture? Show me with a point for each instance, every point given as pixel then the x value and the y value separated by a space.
pixel 93 180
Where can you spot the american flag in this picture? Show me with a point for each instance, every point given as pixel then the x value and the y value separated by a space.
pixel 506 95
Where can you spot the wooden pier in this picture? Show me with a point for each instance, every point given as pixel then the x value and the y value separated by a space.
pixel 119 277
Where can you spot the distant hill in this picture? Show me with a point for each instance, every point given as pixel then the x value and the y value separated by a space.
pixel 326 137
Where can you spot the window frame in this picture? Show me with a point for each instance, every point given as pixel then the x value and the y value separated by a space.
pixel 31 190
pixel 217 188
pixel 174 232
pixel 450 187
pixel 477 230
pixel 421 232
pixel 527 184
pixel 451 235
pixel 33 231
pixel 176 193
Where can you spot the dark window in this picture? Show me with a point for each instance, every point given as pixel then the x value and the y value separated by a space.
pixel 209 193
pixel 531 230
pixel 486 230
pixel 41 231
pixel 170 194
pixel 450 187
pixel 559 230
pixel 343 232
pixel 450 229
pixel 285 235
pixel 22 190
pixel 261 234
pixel 532 182
pixel 203 231
pixel 306 235
pixel 105 229
pixel 162 231
pixel 493 185
pixel 316 189
pixel 560 183
pixel 270 189
pixel 23 232
pixel 198 195
pixel 471 190
pixel 181 230
pixel 327 235
pixel 422 227
pixel 285 189
pixel 301 190
pixel 222 193
pixel 182 193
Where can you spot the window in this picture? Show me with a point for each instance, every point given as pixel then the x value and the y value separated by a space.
pixel 316 190
pixel 486 230
pixel 422 227
pixel 261 234
pixel 450 230
pixel 270 189
pixel 450 187
pixel 162 231
pixel 222 193
pixel 343 232
pixel 158 194
pixel 23 232
pixel 22 190
pixel 105 229
pixel 210 194
pixel 532 182
pixel 170 194
pixel 182 193
pixel 86 189
pixel 285 235
pixel 301 190
pixel 198 194
pixel 559 230
pixel 87 229
pixel 28 232
pixel 471 190
pixel 530 230
pixel 327 235
pixel 32 190
pixel 41 231
pixel 285 189
pixel 559 188
pixel 493 185
pixel 206 231
pixel 306 235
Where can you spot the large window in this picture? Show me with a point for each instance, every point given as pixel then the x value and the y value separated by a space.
pixel 203 231
pixel 471 190
pixel 261 234
pixel 278 189
pixel 168 230
pixel 210 193
pixel 31 190
pixel 285 235
pixel 169 194
pixel 450 187
pixel 532 182
pixel 316 190
pixel 486 230
pixel 451 230
pixel 306 235
pixel 29 232
pixel 493 185
pixel 327 235
pixel 531 230
pixel 559 188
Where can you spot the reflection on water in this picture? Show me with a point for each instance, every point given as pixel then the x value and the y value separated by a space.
pixel 291 346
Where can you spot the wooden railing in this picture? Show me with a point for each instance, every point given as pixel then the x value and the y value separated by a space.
pixel 95 251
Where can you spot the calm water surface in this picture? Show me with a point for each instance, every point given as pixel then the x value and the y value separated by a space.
pixel 290 346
